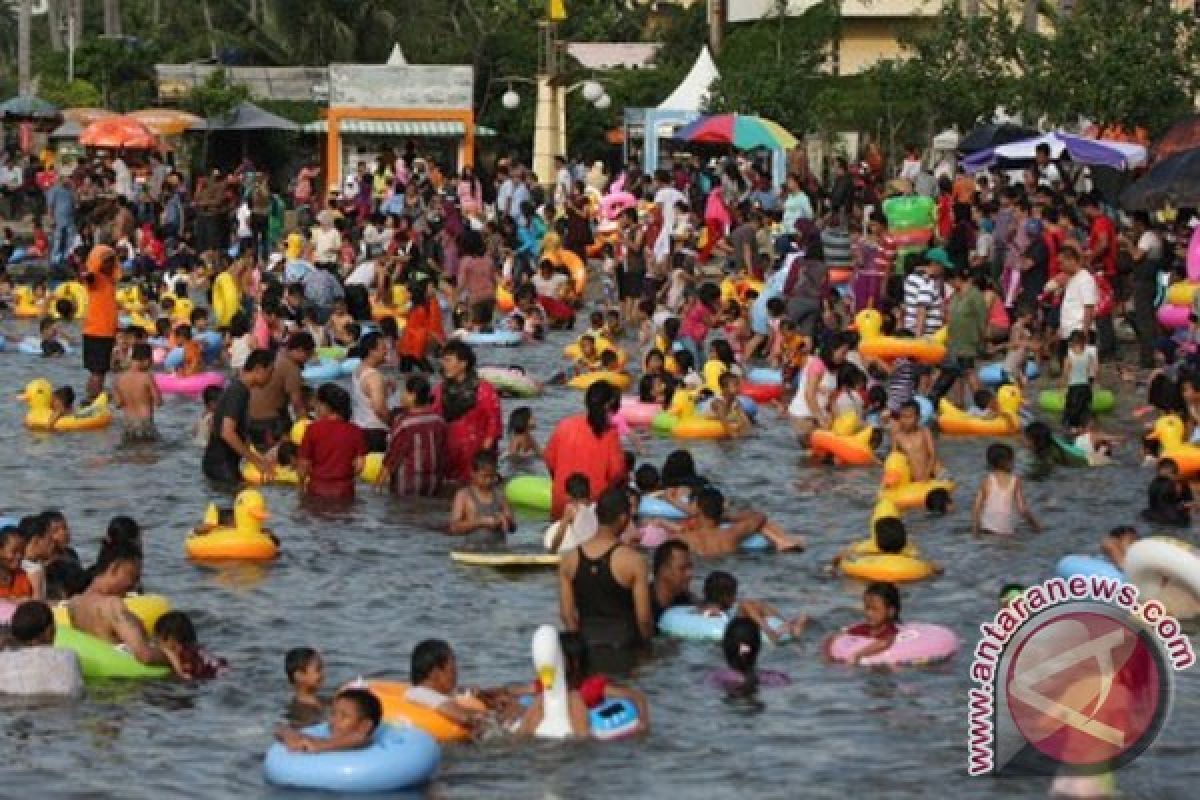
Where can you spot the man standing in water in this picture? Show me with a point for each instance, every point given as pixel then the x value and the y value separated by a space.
pixel 101 611
pixel 227 444
pixel 100 275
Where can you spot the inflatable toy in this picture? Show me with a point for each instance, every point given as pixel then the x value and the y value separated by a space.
pixel 38 394
pixel 929 350
pixel 994 374
pixel 510 381
pixel 917 643
pixel 900 490
pixel 953 421
pixel 397 758
pixel 1167 570
pixel 894 568
pixel 146 607
pixel 849 442
pixel 246 540
pixel 637 413
pixel 226 299
pixel 169 383
pixel 100 659
pixel 619 380
pixel 32 346
pixel 492 338
pixel 614 719
pixel 1055 400
pixel 397 709
pixel 688 622
pixel 530 491
pixel 656 507
pixel 1168 432
pixel 1088 566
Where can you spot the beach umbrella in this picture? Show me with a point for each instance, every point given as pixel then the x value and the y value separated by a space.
pixel 1079 149
pixel 117 133
pixel 28 106
pixel 1183 135
pixel 168 121
pixel 249 117
pixel 1174 181
pixel 742 131
pixel 85 115
pixel 986 137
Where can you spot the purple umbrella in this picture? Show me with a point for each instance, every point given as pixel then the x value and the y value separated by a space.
pixel 1080 149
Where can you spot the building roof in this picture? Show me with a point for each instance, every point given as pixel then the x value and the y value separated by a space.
pixel 750 10
pixel 309 84
pixel 398 127
pixel 614 55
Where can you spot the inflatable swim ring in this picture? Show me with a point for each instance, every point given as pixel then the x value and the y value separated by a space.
pixel 953 421
pixel 656 507
pixel 322 372
pixel 846 443
pixel 928 350
pixel 246 540
pixel 664 422
pixel 510 382
pixel 494 338
pixel 32 346
pixel 917 643
pixel 169 383
pixel 146 607
pixel 1088 566
pixel 397 758
pixel 1055 400
pixel 687 622
pixel 761 392
pixel 75 293
pixel 893 568
pixel 530 491
pixel 226 299
pixel 995 374
pixel 1167 570
pixel 765 376
pixel 38 395
pixel 396 708
pixel 1168 432
pixel 99 659
pixel 332 353
pixel 619 380
pixel 637 413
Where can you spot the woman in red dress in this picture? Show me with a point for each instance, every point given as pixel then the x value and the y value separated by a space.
pixel 471 409
pixel 588 444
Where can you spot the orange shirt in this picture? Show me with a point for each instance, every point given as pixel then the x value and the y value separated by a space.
pixel 101 317
pixel 20 587
pixel 964 189
pixel 193 358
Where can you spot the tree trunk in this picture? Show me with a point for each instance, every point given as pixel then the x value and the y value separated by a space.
pixel 1029 15
pixel 156 14
pixel 112 17
pixel 54 18
pixel 208 26
pixel 24 53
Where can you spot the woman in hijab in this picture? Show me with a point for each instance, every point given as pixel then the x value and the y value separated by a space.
pixel 471 409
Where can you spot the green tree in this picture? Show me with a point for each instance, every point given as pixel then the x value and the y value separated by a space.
pixel 215 96
pixel 76 94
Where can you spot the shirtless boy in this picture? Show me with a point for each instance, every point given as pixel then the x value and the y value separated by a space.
pixel 713 533
pixel 915 441
pixel 137 396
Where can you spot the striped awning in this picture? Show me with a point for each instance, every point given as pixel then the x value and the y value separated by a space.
pixel 399 127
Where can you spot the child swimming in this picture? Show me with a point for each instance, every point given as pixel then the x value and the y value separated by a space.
pixel 176 634
pixel 353 717
pixel 1001 496
pixel 480 512
pixel 741 645
pixel 521 444
pixel 881 608
pixel 305 672
pixel 578 522
pixel 721 597
pixel 433 674
pixel 713 533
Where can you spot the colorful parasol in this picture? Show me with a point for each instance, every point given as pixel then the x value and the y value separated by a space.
pixel 742 131
pixel 168 121
pixel 86 115
pixel 119 133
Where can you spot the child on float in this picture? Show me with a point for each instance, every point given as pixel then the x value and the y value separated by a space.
pixel 596 328
pixel 305 671
pixel 39 549
pixel 720 361
pixel 62 404
pixel 1097 446
pixel 613 329
pixel 521 444
pixel 585 690
pixel 193 354
pixel 881 612
pixel 1169 497
pixel 433 678
pixel 578 522
pixel 984 405
pixel 847 398
pixel 741 645
pixel 713 532
pixel 480 513
pixel 889 536
pixel 14 582
pixel 51 338
pixel 354 716
pixel 727 408
pixel 1116 544
pixel 915 441
pixel 1001 497
pixel 721 597
pixel 176 634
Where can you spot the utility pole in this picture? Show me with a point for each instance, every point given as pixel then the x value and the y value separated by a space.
pixel 24 31
pixel 716 25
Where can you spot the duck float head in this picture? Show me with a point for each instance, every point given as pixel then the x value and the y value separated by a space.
pixel 246 540
pixel 39 394
pixel 954 421
pixel 899 490
pixel 924 350
pixel 552 674
pixel 1169 431
pixel 848 441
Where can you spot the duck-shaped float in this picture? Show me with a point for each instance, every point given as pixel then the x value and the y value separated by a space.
pixel 848 441
pixel 864 559
pixel 612 719
pixel 683 421
pixel 226 299
pixel 900 490
pixel 559 256
pixel 1169 433
pixel 25 305
pixel 873 343
pixel 39 395
pixel 953 421
pixel 574 352
pixel 245 541
pixel 130 300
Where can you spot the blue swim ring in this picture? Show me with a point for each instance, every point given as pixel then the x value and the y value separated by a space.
pixel 656 507
pixel 495 338
pixel 322 371
pixel 32 346
pixel 686 622
pixel 756 543
pixel 397 758
pixel 995 374
pixel 1087 566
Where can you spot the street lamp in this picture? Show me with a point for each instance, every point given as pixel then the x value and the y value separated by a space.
pixel 510 99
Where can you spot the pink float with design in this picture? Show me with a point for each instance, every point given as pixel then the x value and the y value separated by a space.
pixel 916 644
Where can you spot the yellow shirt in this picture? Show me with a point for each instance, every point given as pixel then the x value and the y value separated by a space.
pixel 295 245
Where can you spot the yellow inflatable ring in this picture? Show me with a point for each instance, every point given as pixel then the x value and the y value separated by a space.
pixel 699 428
pixel 621 380
pixel 146 607
pixel 226 299
pixel 396 708
pixel 887 567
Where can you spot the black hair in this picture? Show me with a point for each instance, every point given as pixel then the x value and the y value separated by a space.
pixel 999 456
pixel 65 395
pixel 388 325
pixel 258 359
pixel 116 554
pixel 418 386
pixel 646 478
pixel 210 395
pixel 1122 530
pixel 368 705
pixel 484 458
pixel 369 342
pixel 711 503
pixel 176 626
pixel 741 643
pixel 30 620
pixel 141 352
pixel 662 554
pixel 646 388
pixel 122 530
pixel 462 351
pixel 578 487
pixel 888 593
pixel 891 536
pixel 598 399
pixel 612 505
pixel 938 501
pixel 296 659
pixel 720 588
pixel 724 352
pixel 427 656
pixel 32 526
pixel 983 398
pixel 301 340
pixel 679 469
pixel 337 398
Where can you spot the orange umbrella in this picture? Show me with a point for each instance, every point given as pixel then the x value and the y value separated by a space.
pixel 86 116
pixel 167 121
pixel 117 133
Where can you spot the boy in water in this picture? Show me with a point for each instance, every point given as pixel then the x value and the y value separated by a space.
pixel 353 718
pixel 480 512
pixel 728 409
pixel 578 522
pixel 1117 543
pixel 137 396
pixel 914 440
pixel 712 533
pixel 433 672
pixel 52 341
pixel 721 597
pixel 62 404
pixel 193 354
pixel 306 673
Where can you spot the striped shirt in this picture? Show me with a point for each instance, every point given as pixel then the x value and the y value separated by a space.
pixel 416 453
pixel 921 291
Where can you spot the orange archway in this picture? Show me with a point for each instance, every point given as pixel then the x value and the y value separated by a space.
pixel 336 114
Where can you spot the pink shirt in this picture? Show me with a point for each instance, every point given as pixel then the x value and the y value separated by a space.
pixel 477 277
pixel 696 323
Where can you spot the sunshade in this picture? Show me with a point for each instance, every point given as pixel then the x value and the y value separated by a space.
pixel 168 121
pixel 119 133
pixel 1080 149
pixel 28 106
pixel 988 136
pixel 1174 181
pixel 742 131
pixel 249 117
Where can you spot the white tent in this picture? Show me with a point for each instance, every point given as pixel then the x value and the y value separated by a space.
pixel 946 140
pixel 692 92
pixel 396 58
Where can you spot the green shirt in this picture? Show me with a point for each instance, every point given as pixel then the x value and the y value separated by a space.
pixel 968 322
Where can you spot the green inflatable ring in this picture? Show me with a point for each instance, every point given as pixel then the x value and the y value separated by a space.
pixel 904 213
pixel 331 353
pixel 99 659
pixel 530 491
pixel 1075 457
pixel 664 422
pixel 1055 400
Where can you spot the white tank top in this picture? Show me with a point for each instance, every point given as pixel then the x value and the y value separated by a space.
pixel 364 415
pixel 998 514
pixel 828 382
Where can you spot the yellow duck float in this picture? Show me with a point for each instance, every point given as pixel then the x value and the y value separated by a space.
pixel 574 352
pixel 245 541
pixel 865 561
pixel 1169 432
pixel 930 350
pixel 901 490
pixel 39 395
pixel 130 299
pixel 953 421
pixel 146 607
pixel 25 306
pixel 848 442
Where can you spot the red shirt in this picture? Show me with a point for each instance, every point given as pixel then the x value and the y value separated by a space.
pixel 945 216
pixel 19 589
pixel 416 453
pixel 331 445
pixel 863 629
pixel 1103 229
pixel 574 447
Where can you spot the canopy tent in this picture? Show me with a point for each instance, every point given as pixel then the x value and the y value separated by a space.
pixel 248 117
pixel 947 140
pixel 994 135
pixel 28 106
pixel 1080 149
pixel 1174 181
pixel 692 93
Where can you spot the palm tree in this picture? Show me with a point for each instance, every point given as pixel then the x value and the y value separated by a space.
pixel 333 30
pixel 112 17
pixel 24 31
